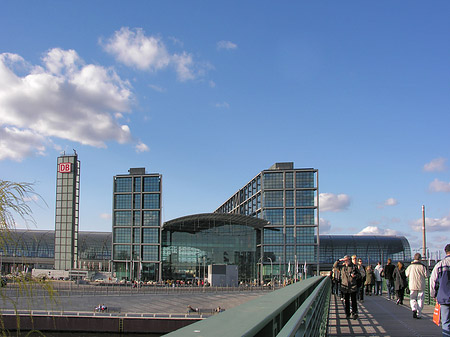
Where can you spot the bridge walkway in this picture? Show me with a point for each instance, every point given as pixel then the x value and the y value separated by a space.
pixel 379 316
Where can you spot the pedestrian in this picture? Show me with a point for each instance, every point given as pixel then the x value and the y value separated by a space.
pixel 389 276
pixel 440 289
pixel 335 278
pixel 370 280
pixel 362 271
pixel 349 286
pixel 416 274
pixel 378 273
pixel 400 282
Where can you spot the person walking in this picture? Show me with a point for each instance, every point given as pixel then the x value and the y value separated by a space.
pixel 335 278
pixel 389 276
pixel 416 274
pixel 370 280
pixel 362 271
pixel 378 273
pixel 440 289
pixel 349 286
pixel 400 282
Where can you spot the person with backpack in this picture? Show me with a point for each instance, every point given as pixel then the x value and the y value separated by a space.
pixel 440 289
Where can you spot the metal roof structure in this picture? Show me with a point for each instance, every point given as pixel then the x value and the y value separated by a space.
pixel 197 222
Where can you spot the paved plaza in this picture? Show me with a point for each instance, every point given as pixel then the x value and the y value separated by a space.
pixel 170 300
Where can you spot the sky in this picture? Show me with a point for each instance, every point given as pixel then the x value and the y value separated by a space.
pixel 210 93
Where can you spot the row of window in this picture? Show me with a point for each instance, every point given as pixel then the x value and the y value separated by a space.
pixel 304 216
pixel 137 252
pixel 128 235
pixel 286 198
pixel 289 235
pixel 290 254
pixel 281 180
pixel 133 218
pixel 133 201
pixel 137 184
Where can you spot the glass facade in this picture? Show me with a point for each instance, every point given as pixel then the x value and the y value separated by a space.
pixel 137 226
pixel 191 243
pixel 66 213
pixel 288 199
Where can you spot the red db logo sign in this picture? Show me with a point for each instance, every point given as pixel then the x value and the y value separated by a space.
pixel 65 167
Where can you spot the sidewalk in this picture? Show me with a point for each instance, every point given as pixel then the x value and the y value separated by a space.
pixel 380 317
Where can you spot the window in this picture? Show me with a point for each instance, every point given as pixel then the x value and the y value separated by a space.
pixel 152 184
pixel 151 201
pixel 123 184
pixel 122 218
pixel 151 218
pixel 273 180
pixel 275 216
pixel 136 201
pixel 121 252
pixel 150 253
pixel 136 235
pixel 289 180
pixel 137 184
pixel 273 199
pixel 122 235
pixel 305 216
pixel 290 235
pixel 306 235
pixel 304 198
pixel 289 199
pixel 289 216
pixel 122 201
pixel 150 235
pixel 136 218
pixel 304 179
pixel 273 235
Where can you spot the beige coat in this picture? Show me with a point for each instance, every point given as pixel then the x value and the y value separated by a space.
pixel 416 274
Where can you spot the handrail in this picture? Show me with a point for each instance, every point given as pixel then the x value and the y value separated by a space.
pixel 268 314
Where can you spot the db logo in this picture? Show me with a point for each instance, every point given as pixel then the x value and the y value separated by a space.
pixel 65 167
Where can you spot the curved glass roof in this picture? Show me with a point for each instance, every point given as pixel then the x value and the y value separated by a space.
pixel 197 222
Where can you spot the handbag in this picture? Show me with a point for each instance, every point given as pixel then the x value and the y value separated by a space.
pixel 437 314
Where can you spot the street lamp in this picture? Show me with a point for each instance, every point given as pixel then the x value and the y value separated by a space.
pixel 271 271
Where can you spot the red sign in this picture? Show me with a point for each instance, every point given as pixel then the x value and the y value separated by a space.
pixel 65 167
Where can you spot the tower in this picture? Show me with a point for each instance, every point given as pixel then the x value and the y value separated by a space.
pixel 136 225
pixel 67 209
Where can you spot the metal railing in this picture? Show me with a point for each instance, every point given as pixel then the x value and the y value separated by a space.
pixel 300 309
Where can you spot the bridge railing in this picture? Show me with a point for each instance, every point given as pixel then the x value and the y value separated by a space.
pixel 300 309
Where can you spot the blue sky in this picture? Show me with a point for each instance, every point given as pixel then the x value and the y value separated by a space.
pixel 209 93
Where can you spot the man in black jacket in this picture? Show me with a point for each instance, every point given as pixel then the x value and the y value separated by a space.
pixel 389 276
pixel 349 286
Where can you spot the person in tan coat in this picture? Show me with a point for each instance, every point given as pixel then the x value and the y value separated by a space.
pixel 416 274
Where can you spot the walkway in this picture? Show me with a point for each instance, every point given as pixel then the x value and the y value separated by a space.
pixel 380 317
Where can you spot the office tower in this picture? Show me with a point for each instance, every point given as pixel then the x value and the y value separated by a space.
pixel 67 208
pixel 288 199
pixel 136 225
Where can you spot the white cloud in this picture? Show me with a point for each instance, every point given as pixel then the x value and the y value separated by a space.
pixel 157 88
pixel 222 105
pixel 64 98
pixel 432 224
pixel 226 45
pixel 439 186
pixel 141 147
pixel 435 165
pixel 374 230
pixel 391 202
pixel 324 226
pixel 330 202
pixel 135 49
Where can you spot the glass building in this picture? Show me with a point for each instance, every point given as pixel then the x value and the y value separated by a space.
pixel 191 243
pixel 36 249
pixel 137 225
pixel 287 198
pixel 66 214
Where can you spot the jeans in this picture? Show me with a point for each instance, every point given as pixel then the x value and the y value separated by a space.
pixel 445 319
pixel 416 301
pixel 390 288
pixel 379 288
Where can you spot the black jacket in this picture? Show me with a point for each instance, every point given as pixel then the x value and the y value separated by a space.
pixel 389 272
pixel 350 276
